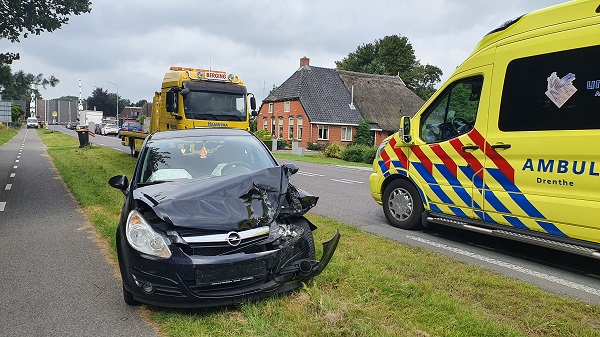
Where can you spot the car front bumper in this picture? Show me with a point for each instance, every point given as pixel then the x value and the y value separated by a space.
pixel 193 281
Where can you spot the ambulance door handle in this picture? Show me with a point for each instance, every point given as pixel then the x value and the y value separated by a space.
pixel 501 146
pixel 470 147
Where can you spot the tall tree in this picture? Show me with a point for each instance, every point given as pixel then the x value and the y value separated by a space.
pixel 23 17
pixel 393 55
pixel 141 103
pixel 100 100
pixel 363 135
pixel 20 85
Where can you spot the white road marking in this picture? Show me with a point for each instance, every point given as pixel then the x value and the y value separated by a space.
pixel 347 181
pixel 16 161
pixel 15 167
pixel 12 175
pixel 2 205
pixel 8 187
pixel 18 157
pixel 308 174
pixel 511 266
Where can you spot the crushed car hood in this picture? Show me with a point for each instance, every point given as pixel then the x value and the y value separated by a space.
pixel 235 202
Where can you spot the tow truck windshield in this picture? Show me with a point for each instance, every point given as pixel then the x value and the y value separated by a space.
pixel 215 106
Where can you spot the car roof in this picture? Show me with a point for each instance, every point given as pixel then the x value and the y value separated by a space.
pixel 199 132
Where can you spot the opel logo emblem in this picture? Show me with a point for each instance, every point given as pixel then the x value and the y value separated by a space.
pixel 234 239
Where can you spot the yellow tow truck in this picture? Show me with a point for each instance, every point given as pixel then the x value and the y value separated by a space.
pixel 195 98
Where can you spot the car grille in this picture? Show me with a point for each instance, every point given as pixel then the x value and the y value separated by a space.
pixel 249 241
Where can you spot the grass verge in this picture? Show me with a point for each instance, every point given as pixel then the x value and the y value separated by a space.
pixel 372 287
pixel 6 134
pixel 317 158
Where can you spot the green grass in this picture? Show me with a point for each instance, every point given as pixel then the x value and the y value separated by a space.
pixel 317 158
pixel 6 134
pixel 372 287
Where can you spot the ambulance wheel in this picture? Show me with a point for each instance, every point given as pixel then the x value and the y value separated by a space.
pixel 402 205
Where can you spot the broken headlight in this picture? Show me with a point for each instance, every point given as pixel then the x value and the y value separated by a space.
pixel 143 238
pixel 282 231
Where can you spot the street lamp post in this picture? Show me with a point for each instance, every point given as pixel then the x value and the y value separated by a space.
pixel 117 111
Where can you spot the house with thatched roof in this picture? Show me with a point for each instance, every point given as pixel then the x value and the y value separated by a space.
pixel 323 105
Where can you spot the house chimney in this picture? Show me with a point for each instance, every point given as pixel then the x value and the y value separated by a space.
pixel 305 61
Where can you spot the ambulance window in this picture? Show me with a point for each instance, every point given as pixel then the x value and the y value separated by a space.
pixel 453 113
pixel 555 91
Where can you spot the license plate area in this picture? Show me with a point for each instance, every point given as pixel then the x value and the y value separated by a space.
pixel 230 273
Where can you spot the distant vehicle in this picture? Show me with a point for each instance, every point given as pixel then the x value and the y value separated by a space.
pixel 32 122
pixel 210 219
pixel 71 126
pixel 99 127
pixel 131 126
pixel 109 129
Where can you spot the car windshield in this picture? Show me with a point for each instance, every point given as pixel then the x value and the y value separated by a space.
pixel 31 120
pixel 215 106
pixel 202 157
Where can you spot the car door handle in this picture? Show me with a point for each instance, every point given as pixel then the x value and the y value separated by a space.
pixel 470 147
pixel 501 146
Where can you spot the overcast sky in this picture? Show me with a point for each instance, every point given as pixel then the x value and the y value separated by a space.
pixel 134 42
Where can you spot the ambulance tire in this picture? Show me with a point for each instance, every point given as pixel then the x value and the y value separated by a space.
pixel 402 205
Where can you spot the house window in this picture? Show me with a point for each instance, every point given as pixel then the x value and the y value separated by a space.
pixel 265 123
pixel 323 132
pixel 291 124
pixel 280 127
pixel 286 106
pixel 346 133
pixel 270 108
pixel 299 128
pixel 272 126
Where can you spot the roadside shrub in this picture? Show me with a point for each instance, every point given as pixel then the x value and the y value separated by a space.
pixel 263 134
pixel 315 146
pixel 369 155
pixel 334 150
pixel 359 154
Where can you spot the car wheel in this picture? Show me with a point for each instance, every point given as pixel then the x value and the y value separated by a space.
pixel 402 205
pixel 128 298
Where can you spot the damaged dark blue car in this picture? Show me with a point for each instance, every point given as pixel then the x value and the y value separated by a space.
pixel 211 219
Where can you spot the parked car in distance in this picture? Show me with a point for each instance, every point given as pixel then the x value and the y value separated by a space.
pixel 109 129
pixel 32 122
pixel 98 128
pixel 131 126
pixel 211 219
pixel 71 126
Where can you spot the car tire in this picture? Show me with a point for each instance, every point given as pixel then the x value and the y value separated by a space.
pixel 402 205
pixel 128 298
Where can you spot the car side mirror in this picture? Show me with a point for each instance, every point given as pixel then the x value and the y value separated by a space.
pixel 290 168
pixel 119 182
pixel 405 129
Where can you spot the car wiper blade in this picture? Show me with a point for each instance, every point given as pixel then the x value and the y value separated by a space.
pixel 147 183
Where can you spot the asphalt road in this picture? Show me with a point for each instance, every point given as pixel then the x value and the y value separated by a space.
pixel 54 277
pixel 345 196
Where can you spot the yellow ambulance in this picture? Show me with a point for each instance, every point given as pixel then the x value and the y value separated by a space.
pixel 510 144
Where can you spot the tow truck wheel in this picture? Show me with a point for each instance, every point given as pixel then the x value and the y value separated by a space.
pixel 133 152
pixel 402 205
